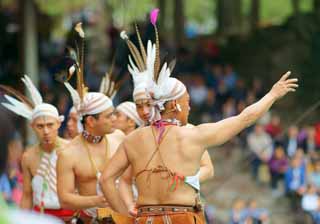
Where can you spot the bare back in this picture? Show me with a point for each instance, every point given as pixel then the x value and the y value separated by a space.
pixel 180 154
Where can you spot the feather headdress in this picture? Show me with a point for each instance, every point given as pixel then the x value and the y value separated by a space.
pixel 75 65
pixel 110 84
pixel 84 102
pixel 22 106
pixel 161 86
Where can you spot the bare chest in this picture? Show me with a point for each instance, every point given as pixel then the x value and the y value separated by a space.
pixel 87 166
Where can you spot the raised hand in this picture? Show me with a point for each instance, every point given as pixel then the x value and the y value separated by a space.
pixel 284 85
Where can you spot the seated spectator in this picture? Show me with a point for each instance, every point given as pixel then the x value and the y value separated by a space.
pixel 238 212
pixel 317 135
pixel 5 187
pixel 278 165
pixel 198 91
pixel 14 169
pixel 295 181
pixel 261 145
pixel 239 93
pixel 310 203
pixel 314 176
pixel 257 88
pixel 308 142
pixel 229 108
pixel 274 127
pixel 229 77
pixel 290 142
pixel 257 215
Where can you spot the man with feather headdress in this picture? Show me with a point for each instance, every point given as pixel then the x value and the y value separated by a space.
pixel 167 175
pixel 39 161
pixel 142 72
pixel 79 167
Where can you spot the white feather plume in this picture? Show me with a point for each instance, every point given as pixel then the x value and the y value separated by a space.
pixel 102 85
pixel 34 92
pixel 124 35
pixel 74 95
pixel 18 107
pixel 107 86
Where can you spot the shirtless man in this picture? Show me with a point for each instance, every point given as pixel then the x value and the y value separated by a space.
pixel 39 161
pixel 80 166
pixel 172 153
pixel 147 111
pixel 127 118
pixel 72 124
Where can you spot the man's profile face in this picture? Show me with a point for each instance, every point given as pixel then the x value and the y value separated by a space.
pixel 184 103
pixel 46 129
pixel 104 124
pixel 122 122
pixel 144 107
pixel 72 126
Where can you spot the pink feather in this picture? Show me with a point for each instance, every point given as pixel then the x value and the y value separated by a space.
pixel 154 15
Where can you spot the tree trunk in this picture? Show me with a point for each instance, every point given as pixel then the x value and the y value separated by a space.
pixel 316 6
pixel 162 16
pixel 229 16
pixel 30 48
pixel 255 14
pixel 179 22
pixel 295 6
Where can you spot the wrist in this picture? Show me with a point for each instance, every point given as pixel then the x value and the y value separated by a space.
pixel 272 95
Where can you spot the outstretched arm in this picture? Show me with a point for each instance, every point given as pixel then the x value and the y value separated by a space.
pixel 116 167
pixel 222 131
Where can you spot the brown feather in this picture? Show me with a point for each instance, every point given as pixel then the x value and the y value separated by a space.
pixel 142 49
pixel 136 55
pixel 157 61
pixel 18 95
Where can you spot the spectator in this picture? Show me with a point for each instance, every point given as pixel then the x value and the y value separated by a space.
pixel 260 144
pixel 317 135
pixel 5 187
pixel 238 212
pixel 14 169
pixel 257 215
pixel 291 141
pixel 295 181
pixel 230 77
pixel 278 166
pixel 198 91
pixel 274 127
pixel 308 142
pixel 229 108
pixel 310 203
pixel 314 176
pixel 239 93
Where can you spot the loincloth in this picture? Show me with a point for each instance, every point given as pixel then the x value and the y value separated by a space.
pixel 63 214
pixel 169 214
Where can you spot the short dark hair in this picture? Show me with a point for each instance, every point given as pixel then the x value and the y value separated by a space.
pixel 84 118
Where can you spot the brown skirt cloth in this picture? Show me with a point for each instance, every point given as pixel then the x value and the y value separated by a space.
pixel 169 214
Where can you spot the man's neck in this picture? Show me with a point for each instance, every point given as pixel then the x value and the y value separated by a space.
pixel 168 116
pixel 48 147
pixel 129 130
pixel 91 137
